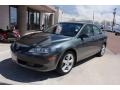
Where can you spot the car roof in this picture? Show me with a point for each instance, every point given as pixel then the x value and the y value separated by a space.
pixel 78 22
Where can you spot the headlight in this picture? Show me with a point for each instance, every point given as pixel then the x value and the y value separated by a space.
pixel 39 50
pixel 13 45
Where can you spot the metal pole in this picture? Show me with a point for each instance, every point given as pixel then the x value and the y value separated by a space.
pixel 93 17
pixel 113 23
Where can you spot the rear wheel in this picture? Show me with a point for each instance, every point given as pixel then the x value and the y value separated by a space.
pixel 102 51
pixel 66 63
pixel 116 34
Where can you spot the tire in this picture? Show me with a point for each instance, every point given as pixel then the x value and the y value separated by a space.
pixel 102 51
pixel 66 63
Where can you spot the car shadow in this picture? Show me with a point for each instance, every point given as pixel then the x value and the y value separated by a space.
pixel 12 71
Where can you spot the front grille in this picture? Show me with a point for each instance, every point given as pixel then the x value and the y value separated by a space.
pixel 29 64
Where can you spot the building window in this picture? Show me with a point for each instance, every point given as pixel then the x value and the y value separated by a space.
pixel 13 16
pixel 33 19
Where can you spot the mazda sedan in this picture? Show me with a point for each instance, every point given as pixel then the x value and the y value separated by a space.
pixel 59 47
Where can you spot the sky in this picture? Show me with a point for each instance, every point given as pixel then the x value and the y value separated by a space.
pixel 85 12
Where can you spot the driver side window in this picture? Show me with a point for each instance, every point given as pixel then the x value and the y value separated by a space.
pixel 87 30
pixel 96 30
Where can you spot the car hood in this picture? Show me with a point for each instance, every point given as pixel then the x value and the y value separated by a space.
pixel 42 39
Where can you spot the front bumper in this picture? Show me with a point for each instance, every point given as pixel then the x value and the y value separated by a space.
pixel 38 63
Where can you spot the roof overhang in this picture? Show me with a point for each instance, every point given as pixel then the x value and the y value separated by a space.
pixel 43 8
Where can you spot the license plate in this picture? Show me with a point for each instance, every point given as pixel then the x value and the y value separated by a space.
pixel 14 57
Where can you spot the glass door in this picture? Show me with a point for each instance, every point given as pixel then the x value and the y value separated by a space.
pixel 13 16
pixel 33 20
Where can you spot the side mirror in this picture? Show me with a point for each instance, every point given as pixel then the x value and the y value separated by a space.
pixel 82 36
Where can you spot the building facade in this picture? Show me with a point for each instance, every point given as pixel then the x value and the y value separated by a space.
pixel 27 18
pixel 58 16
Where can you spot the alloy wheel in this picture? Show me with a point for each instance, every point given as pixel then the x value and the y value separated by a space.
pixel 68 62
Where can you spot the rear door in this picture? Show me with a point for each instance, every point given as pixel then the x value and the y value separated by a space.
pixel 98 38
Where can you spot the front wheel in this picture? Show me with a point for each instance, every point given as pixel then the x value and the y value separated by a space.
pixel 66 63
pixel 102 51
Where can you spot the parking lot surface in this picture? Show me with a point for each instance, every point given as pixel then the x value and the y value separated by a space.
pixel 113 43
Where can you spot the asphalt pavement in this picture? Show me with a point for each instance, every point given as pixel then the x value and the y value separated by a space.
pixel 113 42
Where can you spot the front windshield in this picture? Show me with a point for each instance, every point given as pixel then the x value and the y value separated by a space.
pixel 66 29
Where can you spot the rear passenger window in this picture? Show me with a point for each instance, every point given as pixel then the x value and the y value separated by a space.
pixel 96 30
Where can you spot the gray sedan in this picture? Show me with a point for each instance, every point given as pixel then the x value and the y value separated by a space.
pixel 59 47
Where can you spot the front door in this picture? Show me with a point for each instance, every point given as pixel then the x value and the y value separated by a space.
pixel 86 48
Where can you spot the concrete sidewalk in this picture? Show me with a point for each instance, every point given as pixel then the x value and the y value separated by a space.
pixel 4 51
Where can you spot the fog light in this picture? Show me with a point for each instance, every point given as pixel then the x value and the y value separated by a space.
pixel 51 58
